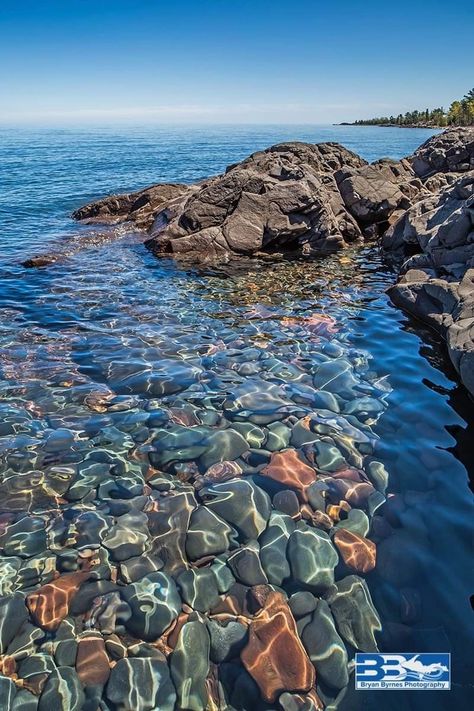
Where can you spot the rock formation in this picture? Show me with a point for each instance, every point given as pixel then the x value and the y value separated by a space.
pixel 309 200
pixel 437 282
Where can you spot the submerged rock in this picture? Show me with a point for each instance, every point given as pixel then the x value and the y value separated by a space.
pixel 274 655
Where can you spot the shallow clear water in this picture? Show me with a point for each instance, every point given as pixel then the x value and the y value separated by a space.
pixel 110 359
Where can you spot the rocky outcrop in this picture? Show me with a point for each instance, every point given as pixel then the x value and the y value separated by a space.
pixel 437 282
pixel 282 199
pixel 450 151
pixel 293 197
pixel 139 207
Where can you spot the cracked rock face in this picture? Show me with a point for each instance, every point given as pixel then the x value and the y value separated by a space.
pixel 450 151
pixel 437 284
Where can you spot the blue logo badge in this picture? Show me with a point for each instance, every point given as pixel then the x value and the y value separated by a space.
pixel 403 671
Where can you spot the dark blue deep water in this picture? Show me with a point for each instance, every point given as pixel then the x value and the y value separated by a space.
pixel 123 379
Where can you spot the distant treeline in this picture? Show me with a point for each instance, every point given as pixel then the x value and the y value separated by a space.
pixel 460 113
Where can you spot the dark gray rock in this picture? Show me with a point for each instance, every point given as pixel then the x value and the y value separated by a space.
pixel 241 503
pixel 141 684
pixel 356 618
pixel 325 648
pixel 246 565
pixel 312 558
pixel 198 588
pixel 226 641
pixel 62 690
pixel 450 151
pixel 189 665
pixel 155 603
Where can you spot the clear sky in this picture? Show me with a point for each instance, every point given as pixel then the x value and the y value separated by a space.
pixel 221 61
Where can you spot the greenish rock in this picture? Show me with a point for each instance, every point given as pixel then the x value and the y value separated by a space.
pixel 278 436
pixel 246 566
pixel 189 665
pixel 223 574
pixel 325 648
pixel 62 691
pixel 253 435
pixel 226 641
pixel 374 502
pixel 208 534
pixel 316 495
pixel 273 548
pixel 23 701
pixel 141 684
pixel 356 618
pixel 7 693
pixel 241 503
pixel 222 446
pixel 136 568
pixel 13 613
pixel 155 603
pixel 328 457
pixel 65 646
pixel 312 558
pixel 198 588
pixel 25 538
pixel 326 401
pixel 301 435
pixel 302 603
pixel 378 475
pixel 357 521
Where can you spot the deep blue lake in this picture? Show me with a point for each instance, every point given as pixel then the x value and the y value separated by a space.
pixel 124 380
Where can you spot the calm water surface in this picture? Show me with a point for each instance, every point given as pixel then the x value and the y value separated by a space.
pixel 104 355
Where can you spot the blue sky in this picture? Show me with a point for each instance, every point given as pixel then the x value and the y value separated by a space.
pixel 220 61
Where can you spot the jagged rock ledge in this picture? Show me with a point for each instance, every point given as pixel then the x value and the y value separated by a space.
pixel 309 200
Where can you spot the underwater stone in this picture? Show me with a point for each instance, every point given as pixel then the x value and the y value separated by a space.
pixel 208 534
pixel 246 566
pixel 302 603
pixel 226 641
pixel 155 603
pixel 141 684
pixel 290 471
pixel 62 691
pixel 241 503
pixel 357 552
pixel 278 436
pixel 325 647
pixel 222 445
pixel 337 377
pixel 168 523
pixel 274 655
pixel 312 558
pixel 356 617
pixel 13 613
pixel 133 569
pixel 7 693
pixel 357 521
pixel 253 435
pixel 49 605
pixel 222 574
pixel 189 665
pixel 287 502
pixel 92 661
pixel 198 588
pixel 25 538
pixel 23 701
pixel 273 547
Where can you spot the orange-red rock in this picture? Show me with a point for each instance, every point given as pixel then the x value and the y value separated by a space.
pixel 286 468
pixel 92 661
pixel 49 605
pixel 274 655
pixel 357 552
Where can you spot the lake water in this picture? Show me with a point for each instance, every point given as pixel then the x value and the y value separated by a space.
pixel 125 381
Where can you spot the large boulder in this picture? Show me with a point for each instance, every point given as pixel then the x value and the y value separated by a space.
pixel 437 282
pixel 282 199
pixel 450 151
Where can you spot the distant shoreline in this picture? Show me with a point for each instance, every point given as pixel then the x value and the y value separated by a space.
pixel 391 125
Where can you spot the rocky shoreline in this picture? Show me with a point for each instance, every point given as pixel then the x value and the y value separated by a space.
pixel 309 200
